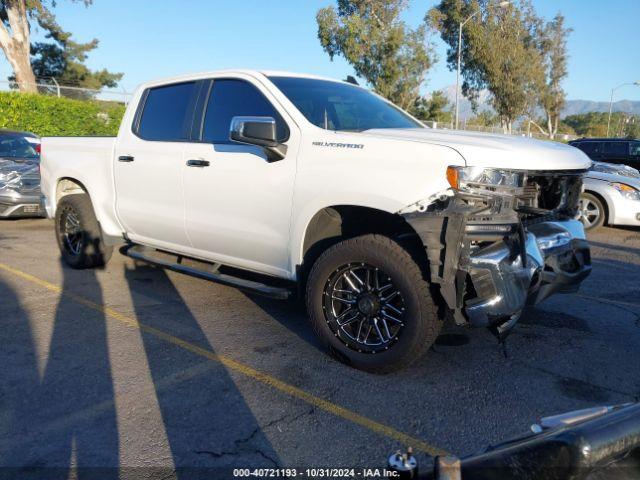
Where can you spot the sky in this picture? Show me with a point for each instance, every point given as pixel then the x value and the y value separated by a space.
pixel 148 39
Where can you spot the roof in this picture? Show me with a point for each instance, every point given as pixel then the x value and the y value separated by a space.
pixel 603 139
pixel 253 73
pixel 17 133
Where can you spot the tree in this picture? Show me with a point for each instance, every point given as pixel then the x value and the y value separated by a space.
pixel 64 61
pixel 553 49
pixel 499 52
pixel 485 118
pixel 594 124
pixel 15 34
pixel 14 40
pixel 382 49
pixel 434 108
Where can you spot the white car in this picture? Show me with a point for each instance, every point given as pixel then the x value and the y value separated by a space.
pixel 611 196
pixel 280 183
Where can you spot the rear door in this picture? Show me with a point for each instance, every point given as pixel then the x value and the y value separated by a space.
pixel 616 152
pixel 237 203
pixel 149 166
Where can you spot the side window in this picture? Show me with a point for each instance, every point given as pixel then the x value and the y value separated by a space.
pixel 619 149
pixel 590 148
pixel 634 149
pixel 167 112
pixel 232 98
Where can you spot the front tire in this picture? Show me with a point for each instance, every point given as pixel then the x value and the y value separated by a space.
pixel 78 233
pixel 370 304
pixel 592 211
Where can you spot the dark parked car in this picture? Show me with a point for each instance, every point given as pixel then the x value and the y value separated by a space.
pixel 20 175
pixel 611 150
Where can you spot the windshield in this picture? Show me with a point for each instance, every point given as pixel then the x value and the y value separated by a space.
pixel 18 146
pixel 340 106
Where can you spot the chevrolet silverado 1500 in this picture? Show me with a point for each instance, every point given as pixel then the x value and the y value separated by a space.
pixel 281 184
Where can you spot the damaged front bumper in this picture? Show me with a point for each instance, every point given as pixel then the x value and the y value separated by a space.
pixel 555 258
pixel 492 252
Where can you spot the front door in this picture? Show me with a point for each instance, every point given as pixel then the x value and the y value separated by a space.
pixel 149 163
pixel 237 203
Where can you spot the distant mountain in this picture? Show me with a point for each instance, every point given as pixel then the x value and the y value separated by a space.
pixel 573 107
pixel 464 109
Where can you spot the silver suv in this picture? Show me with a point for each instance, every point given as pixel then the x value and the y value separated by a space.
pixel 20 175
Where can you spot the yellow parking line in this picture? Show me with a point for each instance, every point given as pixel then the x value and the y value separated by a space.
pixel 239 367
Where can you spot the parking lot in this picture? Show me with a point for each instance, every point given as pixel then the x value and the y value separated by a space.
pixel 133 366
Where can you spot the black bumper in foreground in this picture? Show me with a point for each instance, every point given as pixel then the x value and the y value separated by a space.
pixel 585 446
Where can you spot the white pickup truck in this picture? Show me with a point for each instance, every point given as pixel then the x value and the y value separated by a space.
pixel 279 183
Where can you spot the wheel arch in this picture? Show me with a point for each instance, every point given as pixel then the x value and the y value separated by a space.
pixel 608 210
pixel 336 223
pixel 69 186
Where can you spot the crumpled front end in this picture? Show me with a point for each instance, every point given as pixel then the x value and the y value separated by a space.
pixel 555 260
pixel 20 194
pixel 495 249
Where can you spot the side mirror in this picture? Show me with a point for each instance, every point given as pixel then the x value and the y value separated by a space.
pixel 260 131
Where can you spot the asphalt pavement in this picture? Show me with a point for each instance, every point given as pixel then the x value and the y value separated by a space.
pixel 134 371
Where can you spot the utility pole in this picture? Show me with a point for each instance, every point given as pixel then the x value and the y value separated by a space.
pixel 57 86
pixel 611 100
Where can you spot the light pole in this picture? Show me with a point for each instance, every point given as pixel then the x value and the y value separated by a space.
pixel 611 100
pixel 462 24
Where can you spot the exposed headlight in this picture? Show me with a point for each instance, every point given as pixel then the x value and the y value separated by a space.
pixel 462 178
pixel 627 191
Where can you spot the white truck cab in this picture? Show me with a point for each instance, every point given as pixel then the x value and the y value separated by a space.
pixel 277 182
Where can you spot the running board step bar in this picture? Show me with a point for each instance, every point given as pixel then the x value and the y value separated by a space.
pixel 174 263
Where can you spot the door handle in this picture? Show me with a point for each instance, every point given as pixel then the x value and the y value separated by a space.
pixel 125 158
pixel 198 163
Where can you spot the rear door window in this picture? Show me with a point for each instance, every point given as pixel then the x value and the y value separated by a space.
pixel 617 149
pixel 168 112
pixel 231 98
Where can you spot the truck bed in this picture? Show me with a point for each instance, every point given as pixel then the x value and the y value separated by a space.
pixel 88 160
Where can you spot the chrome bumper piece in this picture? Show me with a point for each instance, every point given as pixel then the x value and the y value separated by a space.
pixel 554 258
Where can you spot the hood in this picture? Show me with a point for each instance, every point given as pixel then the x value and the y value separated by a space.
pixel 494 150
pixel 614 169
pixel 614 178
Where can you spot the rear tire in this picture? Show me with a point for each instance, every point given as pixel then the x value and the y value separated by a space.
pixel 78 233
pixel 592 211
pixel 350 294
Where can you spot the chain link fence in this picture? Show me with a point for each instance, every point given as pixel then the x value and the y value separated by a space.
pixel 519 131
pixel 49 86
